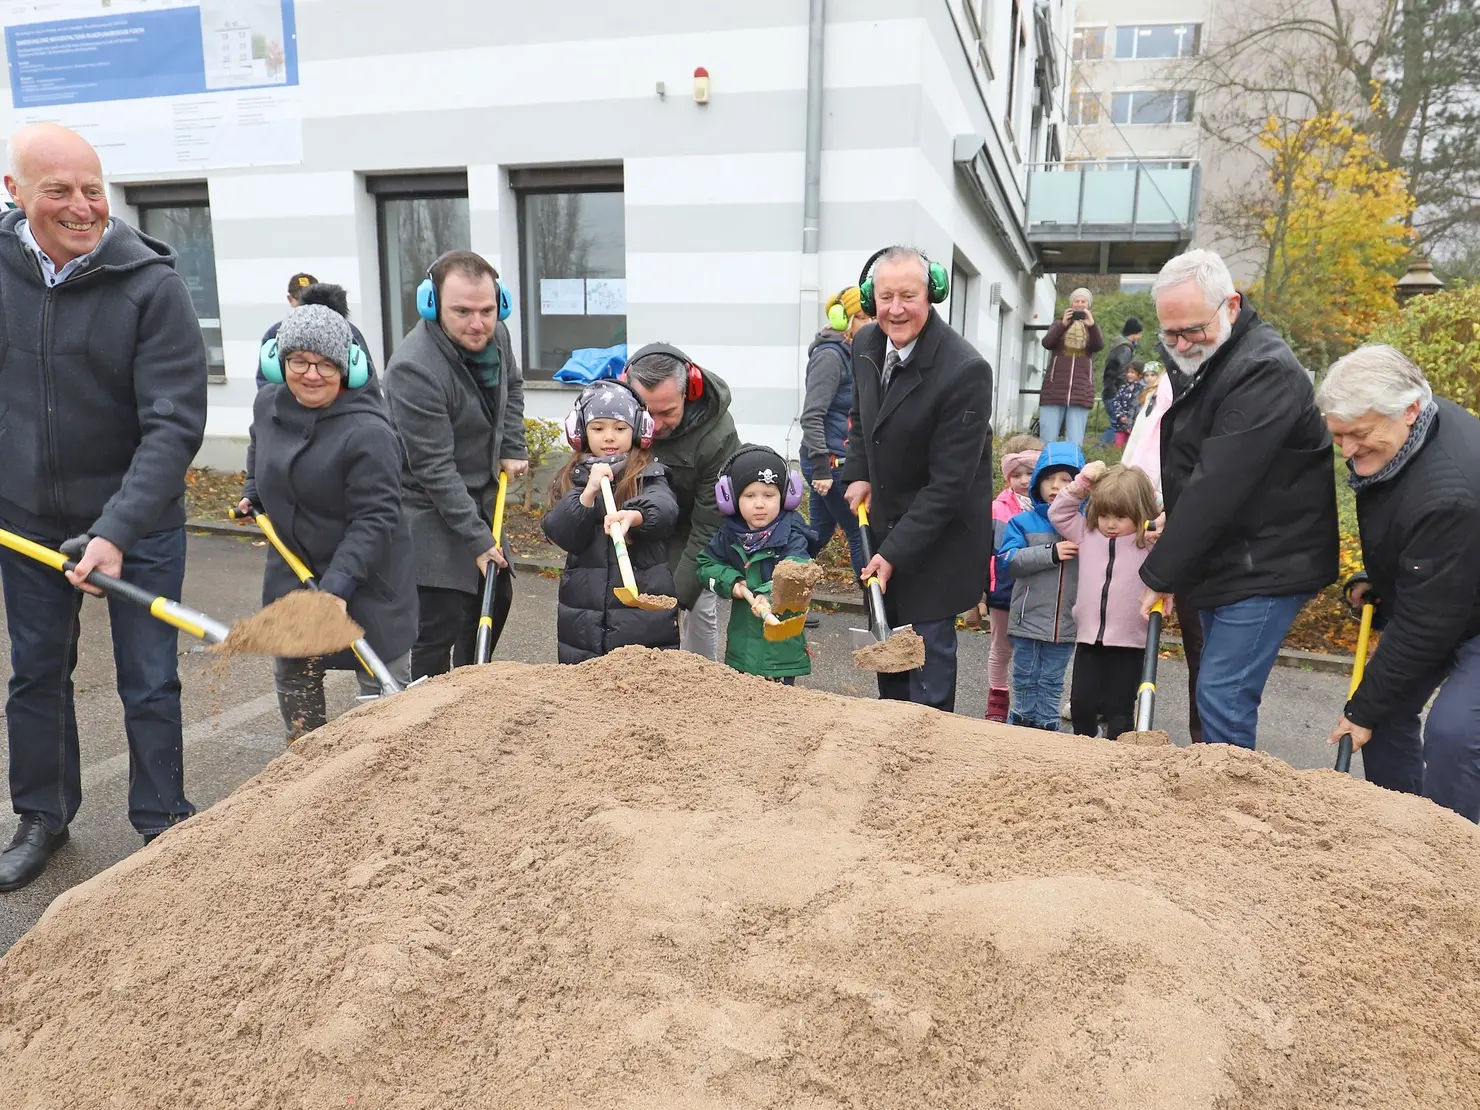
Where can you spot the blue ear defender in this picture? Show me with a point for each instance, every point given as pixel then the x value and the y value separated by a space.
pixel 426 299
pixel 356 373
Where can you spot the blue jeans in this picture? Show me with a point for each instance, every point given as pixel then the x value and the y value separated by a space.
pixel 43 614
pixel 1038 682
pixel 830 513
pixel 1240 644
pixel 934 684
pixel 1440 759
pixel 1068 419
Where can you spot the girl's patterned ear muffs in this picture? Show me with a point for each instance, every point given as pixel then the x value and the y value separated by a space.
pixel 575 420
pixel 725 495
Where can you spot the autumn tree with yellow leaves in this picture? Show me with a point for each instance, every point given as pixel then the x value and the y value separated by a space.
pixel 1333 229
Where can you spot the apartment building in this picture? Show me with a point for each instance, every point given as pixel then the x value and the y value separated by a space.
pixel 702 174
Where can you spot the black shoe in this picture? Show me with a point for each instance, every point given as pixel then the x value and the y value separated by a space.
pixel 812 621
pixel 30 851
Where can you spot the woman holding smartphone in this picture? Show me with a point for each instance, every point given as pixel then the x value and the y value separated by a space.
pixel 1069 382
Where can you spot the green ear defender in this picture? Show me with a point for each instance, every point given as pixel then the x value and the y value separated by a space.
pixel 937 283
pixel 836 317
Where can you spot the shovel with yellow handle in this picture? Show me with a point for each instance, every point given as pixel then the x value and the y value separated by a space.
pixel 1344 745
pixel 183 617
pixel 776 628
pixel 627 592
pixel 498 586
pixel 372 663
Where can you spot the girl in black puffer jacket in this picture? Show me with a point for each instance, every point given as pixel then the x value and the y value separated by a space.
pixel 611 433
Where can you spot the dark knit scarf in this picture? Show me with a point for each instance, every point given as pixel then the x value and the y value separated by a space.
pixel 1416 437
pixel 485 367
pixel 754 541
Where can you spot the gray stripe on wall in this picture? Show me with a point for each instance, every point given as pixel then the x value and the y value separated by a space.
pixel 714 227
pixel 370 28
pixel 610 130
pixel 751 325
pixel 866 226
pixel 287 237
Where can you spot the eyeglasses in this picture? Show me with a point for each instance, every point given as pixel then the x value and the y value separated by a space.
pixel 300 365
pixel 1197 334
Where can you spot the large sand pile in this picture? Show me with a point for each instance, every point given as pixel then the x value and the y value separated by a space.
pixel 482 894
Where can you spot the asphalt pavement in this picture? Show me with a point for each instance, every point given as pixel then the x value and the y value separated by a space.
pixel 232 727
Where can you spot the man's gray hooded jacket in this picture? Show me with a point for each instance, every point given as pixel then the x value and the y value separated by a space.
pixel 102 390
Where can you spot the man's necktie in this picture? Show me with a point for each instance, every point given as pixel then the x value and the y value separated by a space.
pixel 891 363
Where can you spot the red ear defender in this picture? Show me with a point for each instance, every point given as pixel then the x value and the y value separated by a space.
pixel 693 387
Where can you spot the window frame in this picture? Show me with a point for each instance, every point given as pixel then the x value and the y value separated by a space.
pixel 183 194
pixel 531 181
pixel 387 188
pixel 1077 101
pixel 1178 96
pixel 1136 56
pixel 1075 40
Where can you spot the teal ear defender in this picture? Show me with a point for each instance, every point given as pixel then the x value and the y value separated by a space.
pixel 356 369
pixel 937 283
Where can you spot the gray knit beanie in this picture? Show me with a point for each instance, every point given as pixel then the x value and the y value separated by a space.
pixel 315 329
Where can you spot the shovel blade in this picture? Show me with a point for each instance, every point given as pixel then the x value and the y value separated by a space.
pixel 787 629
pixel 861 637
pixel 634 600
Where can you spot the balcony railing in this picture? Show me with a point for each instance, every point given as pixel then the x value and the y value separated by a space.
pixel 1128 217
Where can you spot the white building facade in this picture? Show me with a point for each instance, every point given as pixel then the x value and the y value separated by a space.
pixel 565 144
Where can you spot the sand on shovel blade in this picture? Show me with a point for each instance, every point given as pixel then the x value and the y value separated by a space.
pixel 295 626
pixel 792 583
pixel 903 651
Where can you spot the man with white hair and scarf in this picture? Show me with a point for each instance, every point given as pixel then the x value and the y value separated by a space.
pixel 1250 533
pixel 1414 463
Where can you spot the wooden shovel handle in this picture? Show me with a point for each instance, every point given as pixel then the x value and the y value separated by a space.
pixel 770 617
pixel 619 541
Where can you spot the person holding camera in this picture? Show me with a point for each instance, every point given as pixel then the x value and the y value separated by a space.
pixel 1069 382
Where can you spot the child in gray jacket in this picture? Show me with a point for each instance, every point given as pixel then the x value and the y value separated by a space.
pixel 1045 581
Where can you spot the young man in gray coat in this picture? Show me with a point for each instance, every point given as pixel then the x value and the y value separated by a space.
pixel 102 408
pixel 457 399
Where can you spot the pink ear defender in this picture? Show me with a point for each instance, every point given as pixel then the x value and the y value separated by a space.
pixel 575 422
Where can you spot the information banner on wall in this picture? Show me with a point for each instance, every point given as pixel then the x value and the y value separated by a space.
pixel 160 85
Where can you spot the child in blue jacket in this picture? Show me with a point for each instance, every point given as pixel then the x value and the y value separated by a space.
pixel 1045 582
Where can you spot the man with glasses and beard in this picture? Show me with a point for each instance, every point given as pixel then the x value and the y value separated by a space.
pixel 1250 533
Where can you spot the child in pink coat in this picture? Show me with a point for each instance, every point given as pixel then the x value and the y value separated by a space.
pixel 1111 534
pixel 1019 456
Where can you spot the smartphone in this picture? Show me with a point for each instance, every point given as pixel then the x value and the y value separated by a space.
pixel 1076 315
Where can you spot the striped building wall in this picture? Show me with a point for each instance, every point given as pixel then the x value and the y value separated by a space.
pixel 713 193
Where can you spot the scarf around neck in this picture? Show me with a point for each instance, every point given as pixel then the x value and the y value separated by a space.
pixel 1416 437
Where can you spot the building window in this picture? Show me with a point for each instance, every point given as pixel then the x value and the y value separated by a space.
pixel 573 262
pixel 1088 44
pixel 1158 40
pixel 960 280
pixel 1151 106
pixel 1017 46
pixel 419 217
pixel 180 215
pixel 1084 109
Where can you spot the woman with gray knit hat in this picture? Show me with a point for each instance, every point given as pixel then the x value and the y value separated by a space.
pixel 324 464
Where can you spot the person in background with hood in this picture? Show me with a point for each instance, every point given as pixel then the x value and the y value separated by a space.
pixel 694 436
pixel 1041 565
pixel 102 409
pixel 324 464
pixel 1117 360
pixel 824 421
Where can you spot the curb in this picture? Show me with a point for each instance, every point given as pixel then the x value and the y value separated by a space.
pixel 1288 657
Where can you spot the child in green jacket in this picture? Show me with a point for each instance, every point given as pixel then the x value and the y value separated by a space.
pixel 758 496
